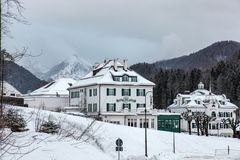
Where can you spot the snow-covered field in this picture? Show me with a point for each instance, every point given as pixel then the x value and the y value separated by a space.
pixel 100 142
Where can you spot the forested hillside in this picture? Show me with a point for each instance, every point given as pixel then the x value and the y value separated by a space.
pixel 224 78
pixel 20 78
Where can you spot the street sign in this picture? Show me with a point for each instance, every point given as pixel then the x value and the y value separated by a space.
pixel 119 147
pixel 119 142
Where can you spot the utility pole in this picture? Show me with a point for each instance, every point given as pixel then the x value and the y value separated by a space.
pixel 145 123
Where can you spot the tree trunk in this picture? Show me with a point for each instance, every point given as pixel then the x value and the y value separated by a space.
pixel 197 123
pixel 206 128
pixel 234 132
pixel 189 128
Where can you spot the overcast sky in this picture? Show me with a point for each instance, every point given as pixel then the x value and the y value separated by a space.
pixel 139 30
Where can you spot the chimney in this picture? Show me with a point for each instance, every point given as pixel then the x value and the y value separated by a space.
pixel 115 65
pixel 125 65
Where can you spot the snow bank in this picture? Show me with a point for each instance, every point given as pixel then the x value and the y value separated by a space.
pixel 102 146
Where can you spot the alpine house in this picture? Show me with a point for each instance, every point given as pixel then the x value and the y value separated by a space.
pixel 53 96
pixel 202 100
pixel 115 94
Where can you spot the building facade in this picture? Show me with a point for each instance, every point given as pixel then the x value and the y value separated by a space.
pixel 202 100
pixel 116 94
pixel 53 96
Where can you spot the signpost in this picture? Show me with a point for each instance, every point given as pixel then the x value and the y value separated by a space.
pixel 119 147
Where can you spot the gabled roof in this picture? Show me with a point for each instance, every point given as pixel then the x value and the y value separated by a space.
pixel 58 86
pixel 104 73
pixel 8 89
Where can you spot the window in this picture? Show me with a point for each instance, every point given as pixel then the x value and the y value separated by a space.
pixel 131 122
pixel 115 78
pixel 134 79
pixel 141 123
pixel 220 114
pixel 213 114
pixel 193 125
pixel 135 122
pixel 95 92
pixel 90 92
pixel 126 92
pixel 111 107
pixel 90 108
pixel 75 94
pixel 111 92
pixel 227 114
pixel 141 105
pixel 127 105
pixel 152 123
pixel 125 78
pixel 221 125
pixel 95 107
pixel 140 92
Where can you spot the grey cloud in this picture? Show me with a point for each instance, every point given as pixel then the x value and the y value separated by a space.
pixel 140 30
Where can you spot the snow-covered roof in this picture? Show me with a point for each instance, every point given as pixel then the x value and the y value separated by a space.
pixel 104 73
pixel 201 98
pixel 9 90
pixel 58 86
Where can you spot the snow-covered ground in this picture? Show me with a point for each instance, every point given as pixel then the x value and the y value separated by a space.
pixel 100 142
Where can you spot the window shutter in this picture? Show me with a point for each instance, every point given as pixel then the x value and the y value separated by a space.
pixel 114 91
pixel 107 91
pixel 137 92
pixel 129 106
pixel 122 92
pixel 129 90
pixel 114 107
pixel 144 92
pixel 107 107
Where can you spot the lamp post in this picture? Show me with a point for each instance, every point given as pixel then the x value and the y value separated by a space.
pixel 145 123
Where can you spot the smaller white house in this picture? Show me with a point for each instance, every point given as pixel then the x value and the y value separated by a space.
pixel 202 100
pixel 53 96
pixel 10 91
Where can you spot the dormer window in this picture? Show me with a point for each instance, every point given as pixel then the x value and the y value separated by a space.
pixel 125 78
pixel 134 79
pixel 115 78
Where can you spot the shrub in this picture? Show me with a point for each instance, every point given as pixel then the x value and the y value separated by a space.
pixel 49 127
pixel 15 121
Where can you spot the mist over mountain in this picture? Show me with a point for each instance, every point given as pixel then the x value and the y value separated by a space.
pixel 73 67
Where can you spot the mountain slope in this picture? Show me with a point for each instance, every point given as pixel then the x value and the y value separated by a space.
pixel 204 58
pixel 73 67
pixel 20 78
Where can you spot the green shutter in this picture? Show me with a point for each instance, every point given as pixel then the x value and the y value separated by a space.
pixel 107 107
pixel 144 92
pixel 137 92
pixel 122 92
pixel 107 91
pixel 129 92
pixel 129 106
pixel 114 107
pixel 231 114
pixel 114 91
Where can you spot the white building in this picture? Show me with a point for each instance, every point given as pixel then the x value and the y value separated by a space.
pixel 202 100
pixel 53 96
pixel 114 93
pixel 9 90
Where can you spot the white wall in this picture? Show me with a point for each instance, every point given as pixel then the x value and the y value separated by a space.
pixel 48 103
